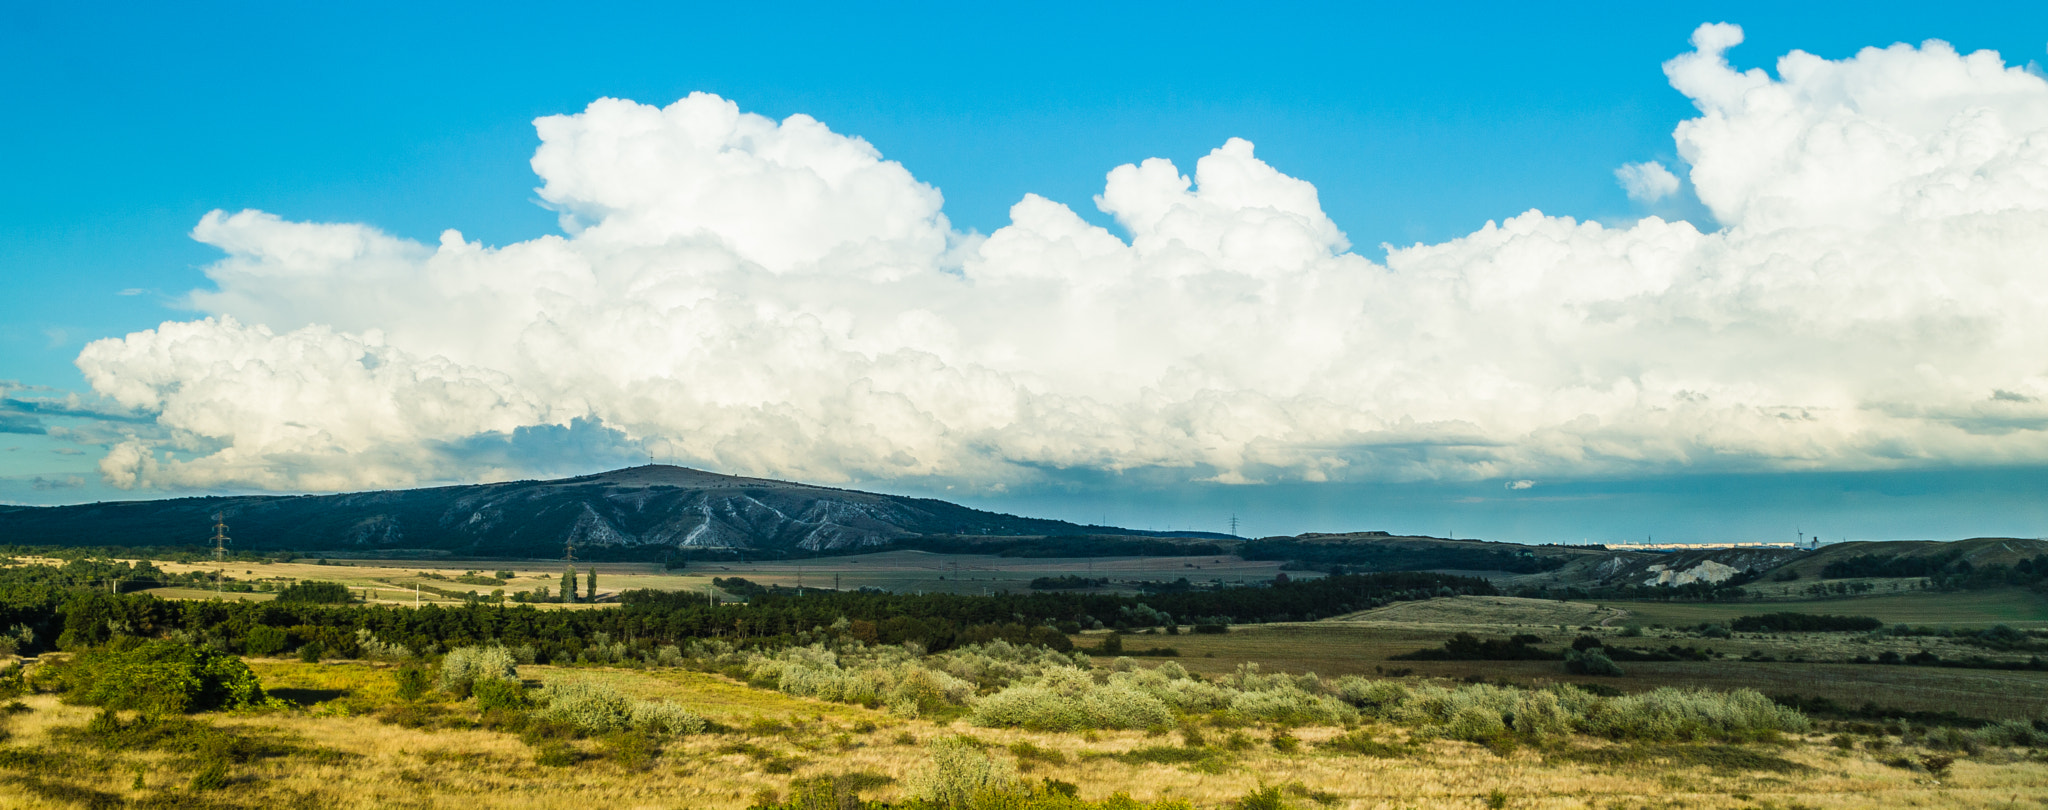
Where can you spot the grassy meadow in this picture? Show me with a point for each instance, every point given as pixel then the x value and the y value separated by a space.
pixel 347 744
pixel 1333 648
pixel 350 734
pixel 2010 606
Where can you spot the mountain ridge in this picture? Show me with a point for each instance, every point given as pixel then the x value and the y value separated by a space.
pixel 642 509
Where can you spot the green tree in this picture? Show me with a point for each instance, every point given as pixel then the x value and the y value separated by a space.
pixel 159 676
pixel 590 584
pixel 569 585
pixel 331 593
pixel 265 640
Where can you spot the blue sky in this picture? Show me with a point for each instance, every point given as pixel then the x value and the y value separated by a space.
pixel 1415 124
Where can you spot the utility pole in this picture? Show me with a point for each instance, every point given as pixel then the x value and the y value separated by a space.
pixel 1233 524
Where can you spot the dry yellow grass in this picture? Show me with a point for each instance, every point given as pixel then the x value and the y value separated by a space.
pixel 360 762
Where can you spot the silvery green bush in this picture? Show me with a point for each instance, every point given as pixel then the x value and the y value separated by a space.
pixel 664 717
pixel 1070 699
pixel 588 705
pixel 465 666
pixel 1684 714
pixel 1291 706
pixel 374 648
pixel 959 774
pixel 597 707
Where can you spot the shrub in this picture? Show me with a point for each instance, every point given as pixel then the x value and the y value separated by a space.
pixel 1804 623
pixel 2013 733
pixel 917 691
pixel 667 718
pixel 593 707
pixel 1361 743
pixel 1476 724
pixel 311 651
pixel 1070 700
pixel 463 667
pixel 1290 706
pixel 1266 797
pixel 1668 714
pixel 495 694
pixel 1590 661
pixel 1541 715
pixel 413 682
pixel 590 706
pixel 369 646
pixel 959 773
pixel 632 751
pixel 1376 698
pixel 160 677
pixel 840 792
pixel 555 754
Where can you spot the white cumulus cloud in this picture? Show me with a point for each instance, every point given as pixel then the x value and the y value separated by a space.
pixel 774 298
pixel 1646 182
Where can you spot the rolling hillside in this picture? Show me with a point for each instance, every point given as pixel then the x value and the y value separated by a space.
pixel 1979 552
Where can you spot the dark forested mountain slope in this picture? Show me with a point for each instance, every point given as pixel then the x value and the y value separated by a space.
pixel 639 509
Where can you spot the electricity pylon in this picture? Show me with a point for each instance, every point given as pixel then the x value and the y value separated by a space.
pixel 220 550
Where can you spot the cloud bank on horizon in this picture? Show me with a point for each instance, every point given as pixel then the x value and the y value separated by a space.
pixel 775 298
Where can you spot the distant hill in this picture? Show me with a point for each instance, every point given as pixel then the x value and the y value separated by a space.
pixel 1517 565
pixel 1908 558
pixel 657 510
pixel 634 512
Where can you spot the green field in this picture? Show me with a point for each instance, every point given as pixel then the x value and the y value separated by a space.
pixel 2012 606
pixel 899 571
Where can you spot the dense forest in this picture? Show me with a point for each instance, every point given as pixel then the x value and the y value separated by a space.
pixel 1066 545
pixel 1393 557
pixel 1947 572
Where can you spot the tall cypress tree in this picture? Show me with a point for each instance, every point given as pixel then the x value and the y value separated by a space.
pixel 590 584
pixel 569 585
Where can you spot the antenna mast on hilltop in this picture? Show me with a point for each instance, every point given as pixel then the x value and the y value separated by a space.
pixel 220 549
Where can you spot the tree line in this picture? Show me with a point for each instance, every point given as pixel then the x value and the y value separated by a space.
pixel 60 607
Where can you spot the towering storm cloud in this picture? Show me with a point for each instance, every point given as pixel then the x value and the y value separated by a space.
pixel 776 298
